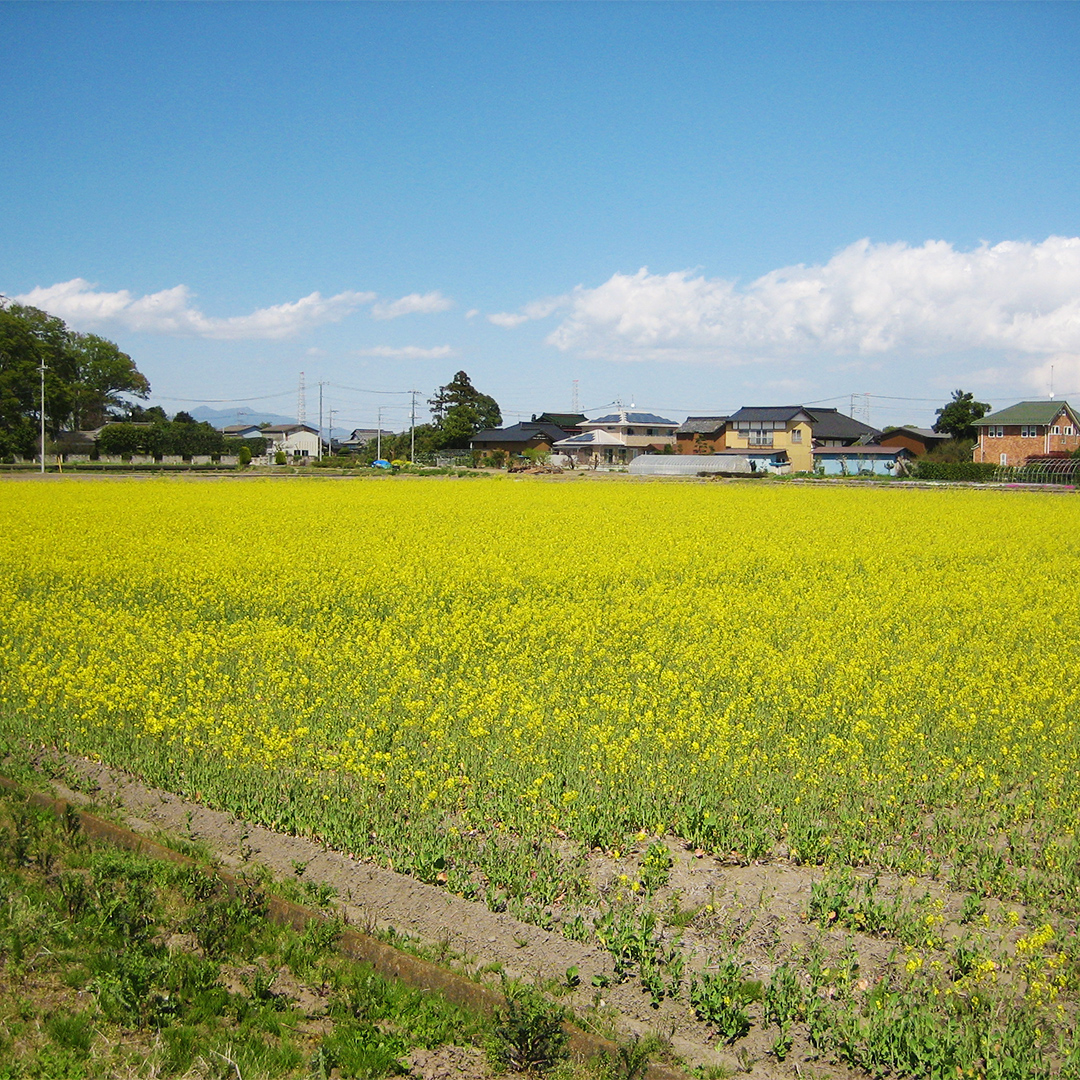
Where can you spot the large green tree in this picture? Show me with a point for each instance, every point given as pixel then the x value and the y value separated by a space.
pixel 29 337
pixel 957 417
pixel 101 372
pixel 459 411
pixel 84 374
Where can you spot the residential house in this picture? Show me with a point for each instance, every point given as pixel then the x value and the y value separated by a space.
pixel 618 438
pixel 296 440
pixel 1027 429
pixel 834 428
pixel 700 435
pixel 918 440
pixel 787 428
pixel 242 431
pixel 359 438
pixel 519 438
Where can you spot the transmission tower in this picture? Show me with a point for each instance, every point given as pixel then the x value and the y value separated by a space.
pixel 860 407
pixel 301 403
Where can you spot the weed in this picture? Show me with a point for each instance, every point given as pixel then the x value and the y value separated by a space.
pixel 655 868
pixel 528 1034
pixel 784 999
pixel 719 998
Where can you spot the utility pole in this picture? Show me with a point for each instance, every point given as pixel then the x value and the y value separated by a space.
pixel 321 385
pixel 330 433
pixel 42 411
pixel 301 402
pixel 378 437
pixel 412 427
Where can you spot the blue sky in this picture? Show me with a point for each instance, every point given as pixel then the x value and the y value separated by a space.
pixel 689 207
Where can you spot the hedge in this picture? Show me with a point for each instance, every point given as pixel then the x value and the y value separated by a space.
pixel 955 470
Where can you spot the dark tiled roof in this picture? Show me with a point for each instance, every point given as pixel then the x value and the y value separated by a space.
pixel 289 429
pixel 565 420
pixel 701 425
pixel 1029 412
pixel 919 432
pixel 833 424
pixel 520 433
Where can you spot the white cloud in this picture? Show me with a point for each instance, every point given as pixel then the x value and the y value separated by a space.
pixel 171 311
pixel 868 300
pixel 538 309
pixel 407 352
pixel 507 319
pixel 472 313
pixel 413 304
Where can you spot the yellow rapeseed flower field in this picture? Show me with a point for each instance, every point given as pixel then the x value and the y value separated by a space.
pixel 426 670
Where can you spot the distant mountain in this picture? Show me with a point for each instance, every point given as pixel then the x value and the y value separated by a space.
pixel 220 418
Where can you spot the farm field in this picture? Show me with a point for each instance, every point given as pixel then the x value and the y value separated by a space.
pixel 484 683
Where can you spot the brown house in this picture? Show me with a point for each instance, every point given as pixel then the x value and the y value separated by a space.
pixel 518 438
pixel 1028 429
pixel 701 435
pixel 918 440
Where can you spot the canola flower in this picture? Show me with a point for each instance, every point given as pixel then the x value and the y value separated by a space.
pixel 430 672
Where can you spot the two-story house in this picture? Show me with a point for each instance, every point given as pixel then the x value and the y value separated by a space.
pixel 295 440
pixel 787 428
pixel 1027 429
pixel 618 438
pixel 700 435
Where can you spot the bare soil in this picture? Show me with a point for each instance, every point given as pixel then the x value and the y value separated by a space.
pixel 762 907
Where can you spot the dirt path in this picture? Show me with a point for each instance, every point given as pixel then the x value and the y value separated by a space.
pixel 760 904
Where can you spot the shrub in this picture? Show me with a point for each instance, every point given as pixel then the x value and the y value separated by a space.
pixel 955 470
pixel 244 455
pixel 279 457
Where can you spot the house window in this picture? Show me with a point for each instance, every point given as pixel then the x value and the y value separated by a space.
pixel 1029 432
pixel 1068 430
pixel 796 435
pixel 761 438
pixel 1004 459
pixel 1055 430
pixel 629 431
pixel 1001 433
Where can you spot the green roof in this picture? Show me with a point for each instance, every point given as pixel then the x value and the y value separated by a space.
pixel 1029 412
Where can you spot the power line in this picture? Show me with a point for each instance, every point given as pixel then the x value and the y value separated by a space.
pixel 221 401
pixel 357 390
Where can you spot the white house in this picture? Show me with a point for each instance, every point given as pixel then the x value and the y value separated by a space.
pixel 296 440
pixel 618 438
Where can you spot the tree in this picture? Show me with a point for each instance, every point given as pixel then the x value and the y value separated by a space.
pixel 957 418
pixel 83 376
pixel 28 338
pixel 136 414
pixel 99 372
pixel 460 411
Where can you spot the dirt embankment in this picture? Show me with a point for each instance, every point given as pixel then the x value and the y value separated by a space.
pixel 761 907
